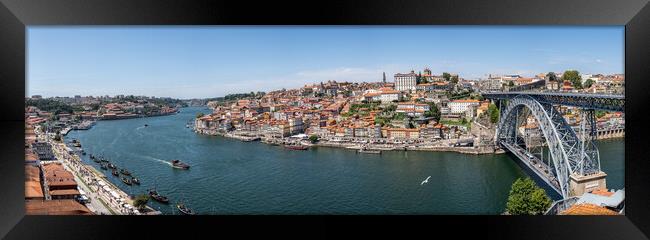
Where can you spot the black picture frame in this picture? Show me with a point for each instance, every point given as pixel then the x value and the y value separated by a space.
pixel 15 15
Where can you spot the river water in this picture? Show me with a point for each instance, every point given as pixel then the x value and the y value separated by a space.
pixel 228 176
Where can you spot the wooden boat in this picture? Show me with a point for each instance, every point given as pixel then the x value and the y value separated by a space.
pixel 184 209
pixel 125 172
pixel 115 173
pixel 154 194
pixel 126 181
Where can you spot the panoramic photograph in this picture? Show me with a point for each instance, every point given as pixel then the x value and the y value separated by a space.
pixel 327 120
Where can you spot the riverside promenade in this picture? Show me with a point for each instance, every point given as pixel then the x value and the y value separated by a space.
pixel 106 198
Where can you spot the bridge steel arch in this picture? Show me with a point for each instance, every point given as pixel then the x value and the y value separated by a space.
pixel 568 152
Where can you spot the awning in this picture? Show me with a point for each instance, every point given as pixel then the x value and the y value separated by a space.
pixel 114 194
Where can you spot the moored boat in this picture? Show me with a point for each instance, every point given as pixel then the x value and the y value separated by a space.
pixel 125 172
pixel 135 180
pixel 111 166
pixel 154 194
pixel 296 147
pixel 178 164
pixel 115 173
pixel 363 150
pixel 126 181
pixel 103 166
pixel 184 209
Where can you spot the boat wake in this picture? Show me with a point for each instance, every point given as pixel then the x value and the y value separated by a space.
pixel 140 127
pixel 159 160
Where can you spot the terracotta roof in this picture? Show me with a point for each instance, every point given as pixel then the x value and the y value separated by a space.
pixel 602 192
pixel 56 175
pixel 56 207
pixel 587 209
pixel 64 192
pixel 33 188
pixel 466 101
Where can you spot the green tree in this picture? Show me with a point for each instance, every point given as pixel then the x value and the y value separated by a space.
pixel 454 80
pixel 313 138
pixel 588 83
pixel 526 198
pixel 574 77
pixel 446 76
pixel 200 115
pixel 433 112
pixel 141 201
pixel 493 111
pixel 551 77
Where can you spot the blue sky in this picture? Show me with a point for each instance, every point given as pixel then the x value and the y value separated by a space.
pixel 198 62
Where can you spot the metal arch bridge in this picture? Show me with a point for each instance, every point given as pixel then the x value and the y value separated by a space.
pixel 570 153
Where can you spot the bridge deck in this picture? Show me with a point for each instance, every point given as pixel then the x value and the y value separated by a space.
pixel 607 102
pixel 538 170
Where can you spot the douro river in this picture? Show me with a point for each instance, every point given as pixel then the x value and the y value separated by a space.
pixel 228 176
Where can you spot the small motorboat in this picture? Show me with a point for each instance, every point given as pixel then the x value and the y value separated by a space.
pixel 178 164
pixel 103 166
pixel 92 157
pixel 115 173
pixel 154 194
pixel 146 125
pixel 125 172
pixel 184 209
pixel 135 180
pixel 96 160
pixel 111 166
pixel 126 181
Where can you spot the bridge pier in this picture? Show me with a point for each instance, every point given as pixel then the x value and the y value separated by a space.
pixel 580 184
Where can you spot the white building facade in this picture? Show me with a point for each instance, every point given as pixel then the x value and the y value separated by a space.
pixel 405 82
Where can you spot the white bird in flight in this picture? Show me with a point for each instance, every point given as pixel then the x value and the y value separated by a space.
pixel 425 181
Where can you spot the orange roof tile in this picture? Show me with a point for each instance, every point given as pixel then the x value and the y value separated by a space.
pixel 56 207
pixel 587 209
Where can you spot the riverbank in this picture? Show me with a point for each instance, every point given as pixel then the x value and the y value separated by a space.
pixel 113 200
pixel 438 146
